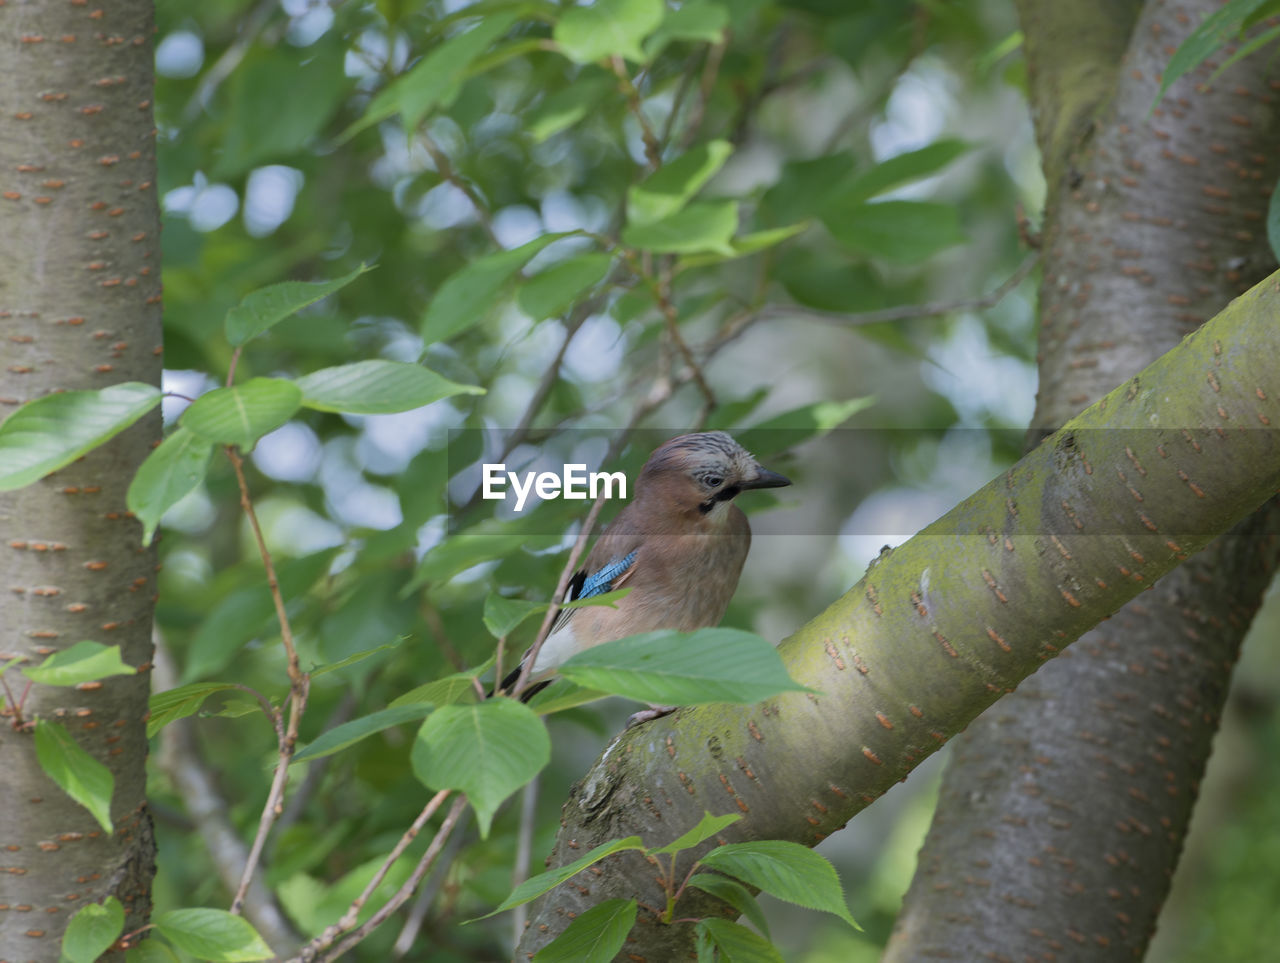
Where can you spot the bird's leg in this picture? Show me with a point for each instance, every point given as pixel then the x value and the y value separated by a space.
pixel 649 714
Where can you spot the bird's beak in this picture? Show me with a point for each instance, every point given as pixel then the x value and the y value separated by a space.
pixel 765 479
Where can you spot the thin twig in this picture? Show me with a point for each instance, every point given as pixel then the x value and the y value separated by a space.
pixel 180 759
pixel 909 311
pixel 652 147
pixel 405 891
pixel 445 168
pixel 226 64
pixel 682 91
pixel 417 913
pixel 299 686
pixel 524 848
pixel 710 70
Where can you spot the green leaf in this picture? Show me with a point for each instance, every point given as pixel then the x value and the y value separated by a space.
pixel 451 689
pixel 502 615
pixel 788 871
pixel 668 189
pixel 595 936
pixel 263 309
pixel 249 612
pixel 564 108
pixel 802 424
pixel 355 657
pixel 707 827
pixel 737 944
pixel 1273 221
pixel 678 668
pixel 562 695
pixel 805 188
pixel 607 27
pixel 604 598
pixel 436 80
pixel 469 296
pixel 349 733
pixel 705 226
pixel 81 777
pixel 185 700
pixel 697 21
pixel 51 432
pixel 83 662
pixel 242 414
pixel 535 886
pixel 151 951
pixel 166 476
pixel 903 231
pixel 212 934
pixel 377 388
pixel 1264 39
pixel 745 246
pixel 1214 33
pixel 92 931
pixel 735 894
pixel 904 168
pixel 487 750
pixel 551 292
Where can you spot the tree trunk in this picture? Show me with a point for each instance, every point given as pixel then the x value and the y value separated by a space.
pixel 79 309
pixel 945 624
pixel 1064 809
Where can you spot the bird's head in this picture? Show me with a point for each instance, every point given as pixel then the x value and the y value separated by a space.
pixel 704 471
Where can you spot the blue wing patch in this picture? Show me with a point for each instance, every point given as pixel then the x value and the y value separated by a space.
pixel 599 582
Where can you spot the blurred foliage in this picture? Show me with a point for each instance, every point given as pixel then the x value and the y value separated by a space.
pixel 541 217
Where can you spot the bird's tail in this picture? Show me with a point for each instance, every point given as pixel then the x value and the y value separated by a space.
pixel 528 693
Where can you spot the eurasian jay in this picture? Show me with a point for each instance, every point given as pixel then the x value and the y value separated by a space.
pixel 679 545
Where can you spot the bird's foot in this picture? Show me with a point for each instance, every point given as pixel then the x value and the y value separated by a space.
pixel 648 715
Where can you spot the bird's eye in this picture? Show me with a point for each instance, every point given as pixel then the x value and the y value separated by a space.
pixel 712 481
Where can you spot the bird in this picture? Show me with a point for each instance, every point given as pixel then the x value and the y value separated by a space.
pixel 679 545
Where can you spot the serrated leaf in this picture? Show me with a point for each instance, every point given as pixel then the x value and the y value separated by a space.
pixel 487 750
pixel 349 733
pixel 702 226
pixel 502 615
pixel 535 886
pixel 51 432
pixel 83 662
pixel 595 936
pixel 1217 29
pixel 377 388
pixel 903 169
pixel 668 189
pixel 185 700
pixel 92 931
pixel 733 893
pixel 261 310
pixel 469 295
pixel 903 231
pixel 606 28
pixel 166 476
pixel 80 776
pixel 697 21
pixel 552 291
pixel 243 413
pixel 564 108
pixel 737 944
pixel 212 934
pixel 678 668
pixel 707 827
pixel 788 871
pixel 436 79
